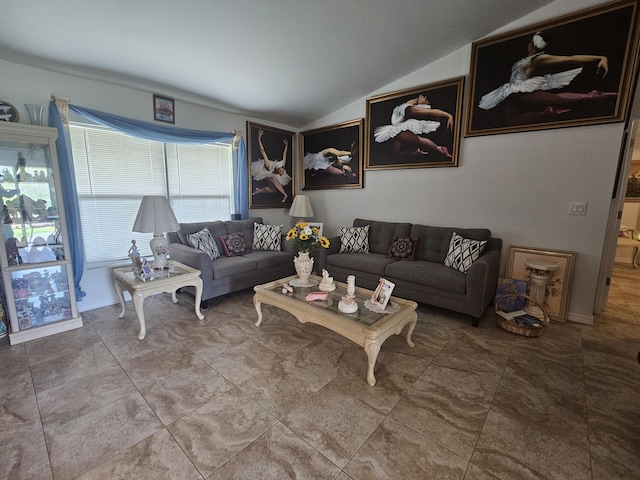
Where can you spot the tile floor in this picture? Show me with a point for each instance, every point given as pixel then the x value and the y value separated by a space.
pixel 223 399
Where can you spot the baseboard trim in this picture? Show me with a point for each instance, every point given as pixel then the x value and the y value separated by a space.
pixel 578 318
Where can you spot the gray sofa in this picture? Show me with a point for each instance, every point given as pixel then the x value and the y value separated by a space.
pixel 425 280
pixel 229 274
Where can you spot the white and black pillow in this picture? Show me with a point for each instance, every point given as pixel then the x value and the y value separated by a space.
pixel 354 239
pixel 463 252
pixel 203 240
pixel 266 237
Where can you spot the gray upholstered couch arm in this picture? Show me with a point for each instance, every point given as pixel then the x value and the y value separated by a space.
pixel 482 279
pixel 192 257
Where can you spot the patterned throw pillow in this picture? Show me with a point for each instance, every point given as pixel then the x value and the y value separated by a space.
pixel 266 237
pixel 404 248
pixel 203 240
pixel 354 239
pixel 463 252
pixel 233 244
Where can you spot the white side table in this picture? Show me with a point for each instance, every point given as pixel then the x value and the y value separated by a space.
pixel 541 272
pixel 167 281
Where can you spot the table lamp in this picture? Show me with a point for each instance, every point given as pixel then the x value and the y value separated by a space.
pixel 301 207
pixel 155 215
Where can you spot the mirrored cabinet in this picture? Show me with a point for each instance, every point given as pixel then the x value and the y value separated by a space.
pixel 36 267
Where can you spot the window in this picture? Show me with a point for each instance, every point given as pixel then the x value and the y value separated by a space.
pixel 113 171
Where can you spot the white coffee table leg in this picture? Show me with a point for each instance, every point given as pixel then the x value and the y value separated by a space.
pixel 198 298
pixel 412 325
pixel 258 306
pixel 372 348
pixel 138 303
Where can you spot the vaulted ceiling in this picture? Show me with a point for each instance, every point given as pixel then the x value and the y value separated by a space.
pixel 289 61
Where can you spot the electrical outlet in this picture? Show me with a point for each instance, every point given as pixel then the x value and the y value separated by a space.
pixel 577 209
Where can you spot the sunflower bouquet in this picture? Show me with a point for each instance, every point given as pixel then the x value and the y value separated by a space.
pixel 306 237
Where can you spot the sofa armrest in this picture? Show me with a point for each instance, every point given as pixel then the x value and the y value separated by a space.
pixel 323 253
pixel 482 279
pixel 192 257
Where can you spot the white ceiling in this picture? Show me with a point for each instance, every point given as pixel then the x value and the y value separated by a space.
pixel 289 61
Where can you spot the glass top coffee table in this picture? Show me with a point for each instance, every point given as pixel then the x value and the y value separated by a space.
pixel 364 327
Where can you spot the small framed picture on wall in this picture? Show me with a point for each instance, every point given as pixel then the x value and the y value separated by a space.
pixel 163 109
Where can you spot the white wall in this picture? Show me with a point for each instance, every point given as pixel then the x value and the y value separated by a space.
pixel 518 185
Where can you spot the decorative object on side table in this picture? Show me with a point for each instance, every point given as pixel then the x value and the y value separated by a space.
pixel 348 303
pixel 156 216
pixel 306 239
pixel 134 255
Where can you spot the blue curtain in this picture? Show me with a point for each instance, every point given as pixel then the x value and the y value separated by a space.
pixel 69 198
pixel 148 131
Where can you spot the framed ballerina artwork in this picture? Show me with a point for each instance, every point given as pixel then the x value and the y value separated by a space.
pixel 415 128
pixel 570 71
pixel 270 154
pixel 332 156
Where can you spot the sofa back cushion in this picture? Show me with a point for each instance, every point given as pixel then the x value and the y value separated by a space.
pixel 434 241
pixel 216 229
pixel 381 233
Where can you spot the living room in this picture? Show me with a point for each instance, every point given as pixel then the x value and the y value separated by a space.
pixel 518 185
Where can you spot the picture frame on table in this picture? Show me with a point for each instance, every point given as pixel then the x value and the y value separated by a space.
pixel 434 114
pixel 332 156
pixel 633 183
pixel 271 177
pixel 558 290
pixel 164 109
pixel 318 225
pixel 382 293
pixel 569 71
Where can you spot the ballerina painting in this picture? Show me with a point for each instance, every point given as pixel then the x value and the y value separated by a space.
pixel 571 71
pixel 415 128
pixel 271 168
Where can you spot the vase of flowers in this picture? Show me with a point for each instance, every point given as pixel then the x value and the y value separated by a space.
pixel 306 238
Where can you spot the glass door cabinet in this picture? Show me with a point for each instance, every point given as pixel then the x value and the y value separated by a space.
pixel 34 253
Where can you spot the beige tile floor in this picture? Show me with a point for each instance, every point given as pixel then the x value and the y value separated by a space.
pixel 223 399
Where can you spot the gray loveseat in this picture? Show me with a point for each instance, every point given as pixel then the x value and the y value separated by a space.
pixel 229 274
pixel 425 279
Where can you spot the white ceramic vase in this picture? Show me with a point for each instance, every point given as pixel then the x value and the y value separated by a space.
pixel 304 266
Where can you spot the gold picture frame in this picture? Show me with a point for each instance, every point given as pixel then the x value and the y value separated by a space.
pixel 552 74
pixel 558 291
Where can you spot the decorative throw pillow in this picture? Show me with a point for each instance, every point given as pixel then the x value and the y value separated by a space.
pixel 463 252
pixel 354 239
pixel 266 237
pixel 203 240
pixel 404 248
pixel 233 244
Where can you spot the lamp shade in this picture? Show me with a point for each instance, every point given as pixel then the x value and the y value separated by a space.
pixel 301 207
pixel 155 216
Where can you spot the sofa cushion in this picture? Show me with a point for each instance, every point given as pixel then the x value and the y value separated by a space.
pixel 404 248
pixel 225 267
pixel 245 226
pixel 266 237
pixel 374 263
pixel 354 239
pixel 434 241
pixel 233 244
pixel 381 233
pixel 463 252
pixel 203 240
pixel 429 274
pixel 268 259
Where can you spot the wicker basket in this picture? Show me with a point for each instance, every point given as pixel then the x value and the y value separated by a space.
pixel 521 329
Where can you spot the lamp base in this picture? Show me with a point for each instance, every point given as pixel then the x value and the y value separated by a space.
pixel 159 247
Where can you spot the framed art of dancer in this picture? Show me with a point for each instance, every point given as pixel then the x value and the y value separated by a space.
pixel 570 71
pixel 271 166
pixel 332 156
pixel 415 128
